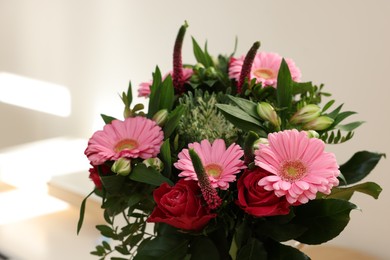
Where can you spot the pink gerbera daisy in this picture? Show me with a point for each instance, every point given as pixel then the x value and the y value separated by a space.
pixel 135 137
pixel 299 165
pixel 144 87
pixel 265 68
pixel 221 164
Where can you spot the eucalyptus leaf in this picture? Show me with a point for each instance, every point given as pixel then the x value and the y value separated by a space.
pixel 360 165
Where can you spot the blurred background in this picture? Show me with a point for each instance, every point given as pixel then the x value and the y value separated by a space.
pixel 64 62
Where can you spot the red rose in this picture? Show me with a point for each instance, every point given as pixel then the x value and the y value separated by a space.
pixel 94 174
pixel 181 206
pixel 257 201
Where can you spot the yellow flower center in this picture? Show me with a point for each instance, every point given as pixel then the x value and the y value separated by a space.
pixel 126 144
pixel 264 73
pixel 292 170
pixel 213 170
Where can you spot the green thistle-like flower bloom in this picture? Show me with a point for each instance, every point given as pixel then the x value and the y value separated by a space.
pixel 202 120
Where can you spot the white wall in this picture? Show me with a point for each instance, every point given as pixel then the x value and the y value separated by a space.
pixel 95 47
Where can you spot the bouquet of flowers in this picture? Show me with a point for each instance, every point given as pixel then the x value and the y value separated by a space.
pixel 228 161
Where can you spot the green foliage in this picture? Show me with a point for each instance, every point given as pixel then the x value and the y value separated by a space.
pixel 359 166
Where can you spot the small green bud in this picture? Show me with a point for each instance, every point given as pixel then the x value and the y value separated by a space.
pixel 155 163
pixel 306 114
pixel 319 123
pixel 161 117
pixel 211 72
pixel 198 66
pixel 259 141
pixel 122 166
pixel 312 134
pixel 268 113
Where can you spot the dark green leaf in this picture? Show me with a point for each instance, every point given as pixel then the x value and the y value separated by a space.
pixel 148 175
pixel 246 105
pixel 82 212
pixel 324 219
pixel 105 230
pixel 107 119
pixel 200 56
pixel 284 90
pixel 335 112
pixel 155 93
pixel 301 87
pixel 238 113
pixel 165 155
pixel 243 233
pixel 250 139
pixel 244 125
pixel 360 165
pixel 129 94
pixel 253 250
pixel 173 120
pixel 202 248
pixel 341 116
pixel 167 94
pixel 163 248
pixel 112 183
pixel 106 245
pixel 134 199
pixel 279 251
pixel 369 188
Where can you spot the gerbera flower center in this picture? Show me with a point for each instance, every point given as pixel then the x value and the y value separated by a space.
pixel 292 170
pixel 213 170
pixel 128 144
pixel 264 73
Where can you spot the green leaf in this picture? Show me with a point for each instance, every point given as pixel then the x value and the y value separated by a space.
pixel 155 93
pixel 301 87
pixel 148 175
pixel 335 112
pixel 360 165
pixel 246 105
pixel 350 127
pixel 324 219
pixel 279 251
pixel 341 116
pixel 250 139
pixel 243 233
pixel 167 94
pixel 166 158
pixel 369 188
pixel 82 212
pixel 107 119
pixel 106 245
pixel 200 56
pixel 134 199
pixel 112 183
pixel 284 90
pixel 163 248
pixel 238 113
pixel 173 120
pixel 253 250
pixel 203 248
pixel 129 94
pixel 105 230
pixel 328 105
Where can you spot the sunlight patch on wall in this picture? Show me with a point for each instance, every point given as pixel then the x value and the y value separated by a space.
pixel 35 94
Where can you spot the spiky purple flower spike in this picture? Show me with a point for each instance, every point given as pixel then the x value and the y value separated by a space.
pixel 210 195
pixel 247 65
pixel 177 75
